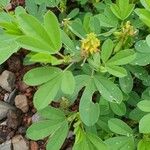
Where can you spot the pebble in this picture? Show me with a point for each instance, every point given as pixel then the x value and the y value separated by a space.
pixel 21 102
pixel 34 145
pixel 14 119
pixel 7 80
pixel 4 107
pixel 11 97
pixel 19 143
pixel 6 146
pixel 6 97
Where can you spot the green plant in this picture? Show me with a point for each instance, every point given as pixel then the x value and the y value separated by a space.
pixel 97 56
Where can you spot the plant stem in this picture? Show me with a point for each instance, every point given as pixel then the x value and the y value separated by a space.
pixel 62 56
pixel 68 66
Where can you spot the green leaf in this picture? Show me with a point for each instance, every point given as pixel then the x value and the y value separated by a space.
pixel 94 25
pixel 52 113
pixel 144 124
pixel 4 3
pixel 45 58
pixel 7 48
pixel 133 98
pixel 108 89
pixel 81 81
pixel 68 42
pixel 81 140
pixel 47 92
pixel 118 109
pixel 136 114
pixel 107 49
pixel 58 137
pixel 68 83
pixel 32 27
pixel 97 142
pixel 123 57
pixel 146 4
pixel 117 71
pixel 142 46
pixel 138 71
pixel 143 145
pixel 34 44
pixel 77 28
pixel 104 106
pixel 122 9
pixel 89 112
pixel 73 13
pixel 146 94
pixel 52 27
pixel 42 129
pixel 83 144
pixel 148 40
pixel 144 15
pixel 119 127
pixel 38 37
pixel 35 10
pixel 120 143
pixel 86 22
pixel 126 83
pixel 49 3
pixel 144 105
pixel 103 123
pixel 107 19
pixel 142 59
pixel 40 75
pixel 11 28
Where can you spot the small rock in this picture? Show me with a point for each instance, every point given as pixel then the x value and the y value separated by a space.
pixel 6 146
pixel 7 80
pixel 14 119
pixel 34 145
pixel 11 97
pixel 4 107
pixel 6 97
pixel 3 123
pixel 20 143
pixel 21 102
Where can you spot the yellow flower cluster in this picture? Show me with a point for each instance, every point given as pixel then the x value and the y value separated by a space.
pixel 90 45
pixel 128 29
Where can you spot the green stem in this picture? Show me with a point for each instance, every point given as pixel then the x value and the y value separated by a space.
pixel 62 56
pixel 68 66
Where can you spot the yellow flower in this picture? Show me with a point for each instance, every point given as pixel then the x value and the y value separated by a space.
pixel 90 45
pixel 128 29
